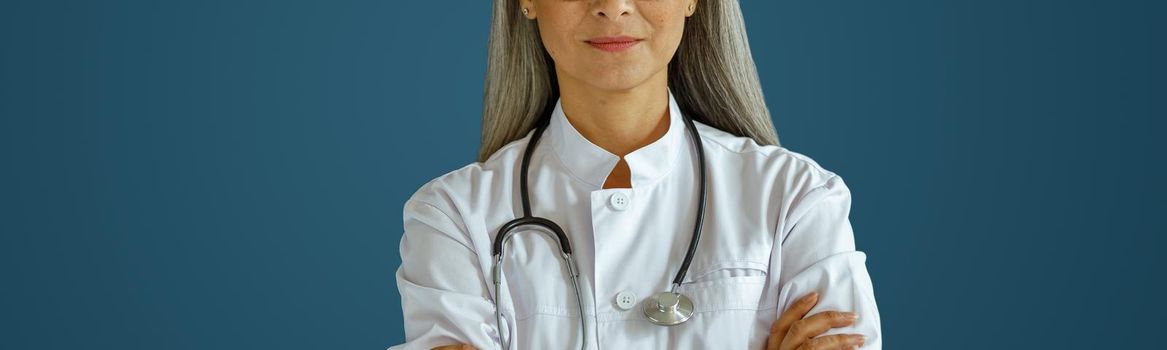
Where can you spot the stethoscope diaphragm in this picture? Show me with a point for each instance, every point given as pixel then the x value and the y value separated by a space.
pixel 668 308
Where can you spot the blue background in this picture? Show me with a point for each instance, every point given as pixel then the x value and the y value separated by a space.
pixel 230 174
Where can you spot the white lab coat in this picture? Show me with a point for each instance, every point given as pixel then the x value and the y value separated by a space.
pixel 776 227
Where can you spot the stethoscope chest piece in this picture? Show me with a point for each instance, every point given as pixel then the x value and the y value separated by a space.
pixel 668 309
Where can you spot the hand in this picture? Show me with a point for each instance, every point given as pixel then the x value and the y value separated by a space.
pixel 455 347
pixel 793 332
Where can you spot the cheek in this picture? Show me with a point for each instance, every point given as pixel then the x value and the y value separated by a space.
pixel 669 35
pixel 557 41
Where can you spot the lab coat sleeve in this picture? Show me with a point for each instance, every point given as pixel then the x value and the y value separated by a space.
pixel 818 254
pixel 444 295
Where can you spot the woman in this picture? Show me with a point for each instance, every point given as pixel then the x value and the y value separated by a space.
pixel 606 90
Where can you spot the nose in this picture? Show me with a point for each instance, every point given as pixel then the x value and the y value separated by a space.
pixel 612 9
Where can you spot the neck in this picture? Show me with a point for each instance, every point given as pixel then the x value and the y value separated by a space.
pixel 618 121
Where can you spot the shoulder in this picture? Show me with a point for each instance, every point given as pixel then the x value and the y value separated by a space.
pixel 456 192
pixel 792 182
pixel 793 171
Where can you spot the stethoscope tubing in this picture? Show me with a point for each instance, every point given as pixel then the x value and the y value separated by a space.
pixel 557 234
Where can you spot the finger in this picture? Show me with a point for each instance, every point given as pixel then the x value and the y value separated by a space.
pixel 817 324
pixel 796 312
pixel 831 342
pixel 774 341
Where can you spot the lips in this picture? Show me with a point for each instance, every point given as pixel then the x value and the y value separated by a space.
pixel 613 43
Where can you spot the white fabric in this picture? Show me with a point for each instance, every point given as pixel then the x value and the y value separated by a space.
pixel 776 227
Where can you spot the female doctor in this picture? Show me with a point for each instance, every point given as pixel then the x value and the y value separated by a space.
pixel 630 193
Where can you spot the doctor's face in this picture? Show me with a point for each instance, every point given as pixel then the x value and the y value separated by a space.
pixel 610 44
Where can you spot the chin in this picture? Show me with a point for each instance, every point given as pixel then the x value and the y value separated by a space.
pixel 617 79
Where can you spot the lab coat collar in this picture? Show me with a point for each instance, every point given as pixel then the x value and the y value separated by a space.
pixel 592 164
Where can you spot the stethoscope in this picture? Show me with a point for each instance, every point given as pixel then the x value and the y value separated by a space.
pixel 665 308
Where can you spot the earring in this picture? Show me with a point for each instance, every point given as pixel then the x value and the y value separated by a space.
pixel 525 12
pixel 690 7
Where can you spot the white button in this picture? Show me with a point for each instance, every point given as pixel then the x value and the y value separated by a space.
pixel 619 201
pixel 625 300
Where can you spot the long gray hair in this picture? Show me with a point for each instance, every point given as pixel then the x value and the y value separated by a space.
pixel 712 76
